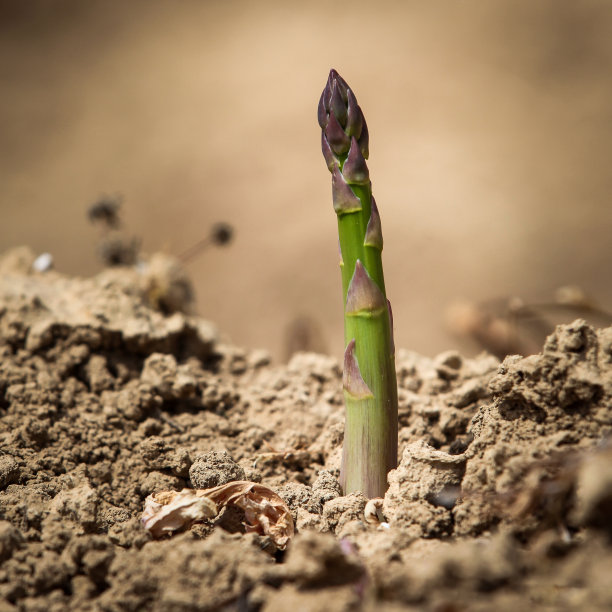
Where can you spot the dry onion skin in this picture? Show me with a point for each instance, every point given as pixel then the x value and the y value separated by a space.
pixel 265 512
pixel 170 511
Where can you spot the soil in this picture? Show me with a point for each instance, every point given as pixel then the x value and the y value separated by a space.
pixel 502 498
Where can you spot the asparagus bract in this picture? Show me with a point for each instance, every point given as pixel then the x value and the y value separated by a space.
pixel 370 387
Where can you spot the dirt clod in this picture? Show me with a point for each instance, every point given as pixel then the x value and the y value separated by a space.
pixel 214 468
pixel 502 496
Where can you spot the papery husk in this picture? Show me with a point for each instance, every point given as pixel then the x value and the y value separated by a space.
pixel 265 512
pixel 169 511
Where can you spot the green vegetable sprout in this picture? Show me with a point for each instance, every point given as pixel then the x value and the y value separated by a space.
pixel 369 382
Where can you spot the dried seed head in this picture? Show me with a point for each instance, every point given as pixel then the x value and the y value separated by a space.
pixel 106 212
pixel 118 250
pixel 221 233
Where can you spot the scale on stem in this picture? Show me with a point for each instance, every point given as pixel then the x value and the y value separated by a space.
pixel 370 387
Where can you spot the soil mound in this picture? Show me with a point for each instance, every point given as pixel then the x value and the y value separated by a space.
pixel 502 499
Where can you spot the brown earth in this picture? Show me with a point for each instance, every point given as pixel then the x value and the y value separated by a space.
pixel 502 499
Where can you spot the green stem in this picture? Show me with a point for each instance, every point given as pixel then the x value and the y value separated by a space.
pixel 370 387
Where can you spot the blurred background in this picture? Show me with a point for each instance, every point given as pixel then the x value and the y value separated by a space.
pixel 490 147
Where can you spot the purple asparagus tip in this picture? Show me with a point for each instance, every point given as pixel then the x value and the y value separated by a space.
pixel 341 120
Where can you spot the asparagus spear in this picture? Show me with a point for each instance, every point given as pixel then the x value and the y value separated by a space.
pixel 370 387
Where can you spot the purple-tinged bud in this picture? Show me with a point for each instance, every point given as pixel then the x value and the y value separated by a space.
pixel 363 297
pixel 331 77
pixel 364 139
pixel 352 381
pixel 337 105
pixel 335 83
pixel 373 235
pixel 337 138
pixel 355 169
pixel 341 119
pixel 354 121
pixel 321 112
pixel 330 159
pixel 334 77
pixel 345 201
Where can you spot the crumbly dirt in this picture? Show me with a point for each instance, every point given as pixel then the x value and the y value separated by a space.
pixel 502 499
